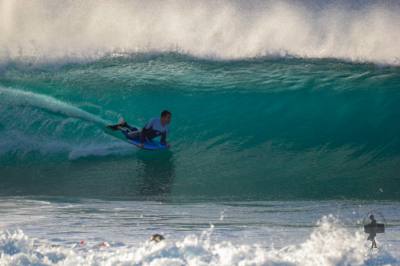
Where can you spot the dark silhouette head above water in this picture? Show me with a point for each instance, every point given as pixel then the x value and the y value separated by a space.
pixel 157 238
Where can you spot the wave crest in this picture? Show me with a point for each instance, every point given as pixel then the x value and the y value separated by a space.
pixel 46 30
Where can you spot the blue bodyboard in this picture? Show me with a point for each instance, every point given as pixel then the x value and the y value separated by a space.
pixel 148 145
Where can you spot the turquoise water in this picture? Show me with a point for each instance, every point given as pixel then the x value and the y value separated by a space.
pixel 285 132
pixel 281 128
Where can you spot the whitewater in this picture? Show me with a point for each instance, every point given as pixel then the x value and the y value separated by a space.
pixel 285 132
pixel 225 233
pixel 366 31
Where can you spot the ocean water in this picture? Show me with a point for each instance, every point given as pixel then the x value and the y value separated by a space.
pixel 285 132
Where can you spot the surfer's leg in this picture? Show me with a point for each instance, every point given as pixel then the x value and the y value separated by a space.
pixel 133 134
pixel 145 135
pixel 121 124
pixel 131 128
pixel 114 127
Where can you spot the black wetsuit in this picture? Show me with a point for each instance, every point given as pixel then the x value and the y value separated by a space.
pixel 153 129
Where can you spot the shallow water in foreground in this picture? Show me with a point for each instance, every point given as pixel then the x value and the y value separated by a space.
pixel 197 233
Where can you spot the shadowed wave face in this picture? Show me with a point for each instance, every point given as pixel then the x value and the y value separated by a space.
pixel 289 100
pixel 247 129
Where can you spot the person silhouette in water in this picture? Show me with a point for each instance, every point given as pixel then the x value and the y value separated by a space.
pixel 372 233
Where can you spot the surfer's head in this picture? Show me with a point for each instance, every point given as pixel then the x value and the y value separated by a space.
pixel 165 117
pixel 157 238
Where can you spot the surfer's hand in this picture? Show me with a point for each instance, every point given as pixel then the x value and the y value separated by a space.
pixel 141 145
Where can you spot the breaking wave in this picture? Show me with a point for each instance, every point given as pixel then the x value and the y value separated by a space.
pixel 365 31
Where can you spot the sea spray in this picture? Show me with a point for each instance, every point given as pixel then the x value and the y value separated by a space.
pixel 16 98
pixel 43 31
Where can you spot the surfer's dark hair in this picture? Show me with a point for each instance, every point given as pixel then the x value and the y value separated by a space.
pixel 165 113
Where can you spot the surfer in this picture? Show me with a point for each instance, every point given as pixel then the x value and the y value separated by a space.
pixel 372 234
pixel 157 126
pixel 157 238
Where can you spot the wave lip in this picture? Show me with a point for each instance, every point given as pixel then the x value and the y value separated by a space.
pixel 45 30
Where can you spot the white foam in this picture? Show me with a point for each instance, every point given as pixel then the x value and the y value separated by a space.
pixel 99 150
pixel 80 30
pixel 22 145
pixel 329 244
pixel 17 97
